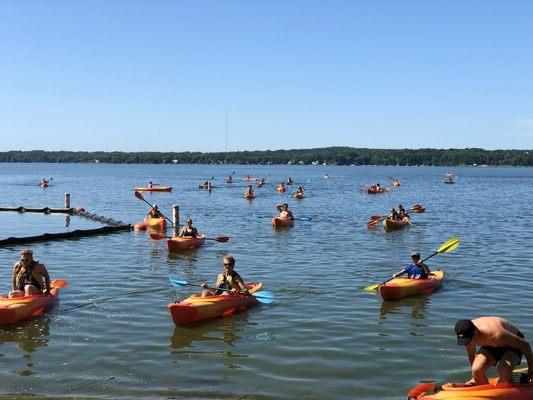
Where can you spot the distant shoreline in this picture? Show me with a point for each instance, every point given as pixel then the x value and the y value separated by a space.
pixel 317 156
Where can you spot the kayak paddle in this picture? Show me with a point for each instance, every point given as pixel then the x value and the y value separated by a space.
pixel 140 197
pixel 448 246
pixel 263 296
pixel 307 219
pixel 417 208
pixel 159 236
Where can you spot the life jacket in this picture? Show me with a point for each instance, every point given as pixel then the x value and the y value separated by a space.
pixel 226 283
pixel 415 271
pixel 28 276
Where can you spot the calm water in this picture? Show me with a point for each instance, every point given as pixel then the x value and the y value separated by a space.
pixel 322 338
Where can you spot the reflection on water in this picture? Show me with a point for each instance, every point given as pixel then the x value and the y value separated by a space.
pixel 28 335
pixel 415 307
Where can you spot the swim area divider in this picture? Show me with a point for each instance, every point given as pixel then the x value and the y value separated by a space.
pixel 112 225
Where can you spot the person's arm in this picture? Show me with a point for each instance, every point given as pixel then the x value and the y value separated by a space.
pixel 241 285
pixel 195 232
pixel 426 269
pixel 182 233
pixel 471 353
pixel 518 343
pixel 14 277
pixel 46 278
pixel 279 207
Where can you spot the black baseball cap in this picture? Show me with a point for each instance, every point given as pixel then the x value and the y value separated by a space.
pixel 464 329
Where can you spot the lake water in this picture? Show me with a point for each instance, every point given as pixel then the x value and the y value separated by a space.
pixel 322 338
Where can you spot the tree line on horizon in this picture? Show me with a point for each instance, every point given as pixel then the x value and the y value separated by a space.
pixel 328 155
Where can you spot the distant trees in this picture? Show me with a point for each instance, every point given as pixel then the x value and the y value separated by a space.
pixel 330 155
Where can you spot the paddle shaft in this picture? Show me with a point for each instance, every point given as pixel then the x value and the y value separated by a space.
pixel 143 199
pixel 212 288
pixel 400 273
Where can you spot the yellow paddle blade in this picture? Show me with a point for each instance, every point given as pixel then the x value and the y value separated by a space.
pixel 371 288
pixel 450 245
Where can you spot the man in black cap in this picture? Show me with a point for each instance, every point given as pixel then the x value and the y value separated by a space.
pixel 501 344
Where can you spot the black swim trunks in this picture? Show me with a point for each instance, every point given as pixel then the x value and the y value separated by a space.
pixel 498 352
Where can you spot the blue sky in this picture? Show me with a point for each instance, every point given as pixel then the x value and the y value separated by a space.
pixel 160 75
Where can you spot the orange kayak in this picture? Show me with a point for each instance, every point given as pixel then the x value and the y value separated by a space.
pixel 398 288
pixel 156 223
pixel 458 391
pixel 396 183
pixel 299 196
pixel 197 308
pixel 13 310
pixel 177 244
pixel 281 188
pixel 154 189
pixel 390 225
pixel 249 196
pixel 372 191
pixel 280 222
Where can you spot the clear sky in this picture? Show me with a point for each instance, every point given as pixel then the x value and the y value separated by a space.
pixel 159 75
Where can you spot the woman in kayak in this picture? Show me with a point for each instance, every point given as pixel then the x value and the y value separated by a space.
pixel 228 282
pixel 189 230
pixel 249 191
pixel 30 277
pixel 284 211
pixel 393 215
pixel 402 213
pixel 154 212
pixel 416 270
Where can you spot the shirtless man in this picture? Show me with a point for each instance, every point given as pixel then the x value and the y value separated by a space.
pixel 501 343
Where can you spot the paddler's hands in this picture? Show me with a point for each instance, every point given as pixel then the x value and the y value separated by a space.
pixel 203 285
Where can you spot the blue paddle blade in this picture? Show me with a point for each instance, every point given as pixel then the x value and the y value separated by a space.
pixel 305 218
pixel 255 215
pixel 264 296
pixel 177 283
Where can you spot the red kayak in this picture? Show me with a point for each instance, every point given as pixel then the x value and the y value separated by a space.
pixel 460 391
pixel 398 288
pixel 278 222
pixel 197 308
pixel 299 196
pixel 177 244
pixel 249 196
pixel 154 189
pixel 17 309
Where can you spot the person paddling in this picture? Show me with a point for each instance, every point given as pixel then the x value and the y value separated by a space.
pixel 30 277
pixel 189 230
pixel 402 213
pixel 229 280
pixel 230 179
pixel 150 184
pixel 284 211
pixel 249 191
pixel 289 181
pixel 416 270
pixel 501 343
pixel 393 215
pixel 154 212
pixel 299 191
pixel 44 183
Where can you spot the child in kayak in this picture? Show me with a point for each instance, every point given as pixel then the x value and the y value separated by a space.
pixel 501 343
pixel 188 230
pixel 393 215
pixel 416 270
pixel 284 211
pixel 154 212
pixel 229 280
pixel 30 277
